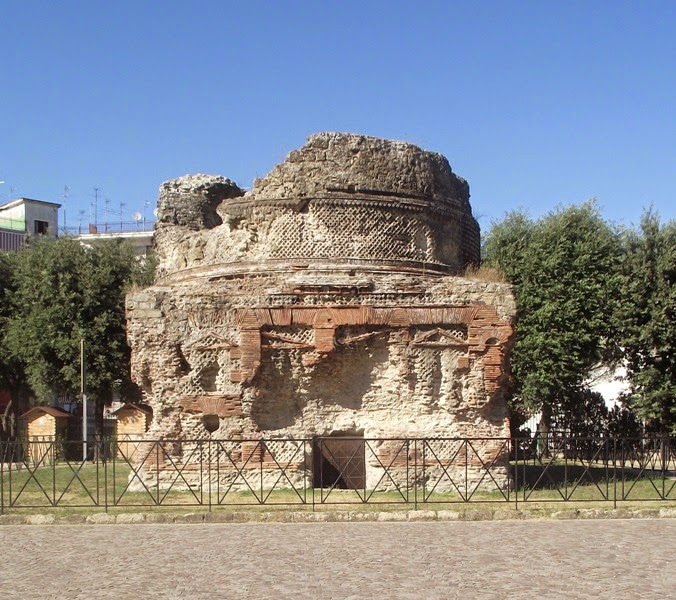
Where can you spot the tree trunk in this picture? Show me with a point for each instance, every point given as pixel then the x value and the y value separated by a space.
pixel 9 420
pixel 543 431
pixel 8 433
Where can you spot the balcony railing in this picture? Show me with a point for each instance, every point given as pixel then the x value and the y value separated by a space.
pixel 147 225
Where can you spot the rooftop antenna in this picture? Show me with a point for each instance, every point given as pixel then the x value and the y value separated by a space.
pixel 146 204
pixel 81 213
pixel 106 210
pixel 96 204
pixel 64 197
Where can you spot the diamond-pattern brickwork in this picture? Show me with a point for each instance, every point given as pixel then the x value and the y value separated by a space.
pixel 354 231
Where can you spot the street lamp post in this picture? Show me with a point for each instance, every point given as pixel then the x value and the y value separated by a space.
pixel 83 394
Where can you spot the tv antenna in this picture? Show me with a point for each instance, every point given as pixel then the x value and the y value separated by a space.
pixel 96 204
pixel 64 197
pixel 106 211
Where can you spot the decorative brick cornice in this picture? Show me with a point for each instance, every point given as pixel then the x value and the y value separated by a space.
pixel 487 333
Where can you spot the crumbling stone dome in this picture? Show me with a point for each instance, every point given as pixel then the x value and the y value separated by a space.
pixel 340 201
pixel 327 301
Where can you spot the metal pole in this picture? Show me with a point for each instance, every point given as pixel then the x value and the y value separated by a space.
pixel 515 444
pixel 415 473
pixel 83 393
pixel 2 478
pixel 209 469
pixel 614 472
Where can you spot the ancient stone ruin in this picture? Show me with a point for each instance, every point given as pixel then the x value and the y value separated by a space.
pixel 327 301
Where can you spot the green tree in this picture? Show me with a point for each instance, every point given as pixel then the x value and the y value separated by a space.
pixel 648 321
pixel 64 292
pixel 565 268
pixel 12 375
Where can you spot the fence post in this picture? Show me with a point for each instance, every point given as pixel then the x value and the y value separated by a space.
pixel 415 474
pixel 209 469
pixel 109 444
pixel 664 455
pixel 157 472
pixel 53 453
pixel 312 458
pixel 407 444
pixel 466 498
pixel 566 445
pixel 614 473
pixel 2 477
pixel 516 471
pixel 261 446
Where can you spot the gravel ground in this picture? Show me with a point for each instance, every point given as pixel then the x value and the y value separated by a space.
pixel 433 560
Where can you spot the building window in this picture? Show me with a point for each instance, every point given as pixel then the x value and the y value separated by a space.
pixel 41 227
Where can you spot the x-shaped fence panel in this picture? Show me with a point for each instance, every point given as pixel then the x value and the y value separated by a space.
pixel 333 470
pixel 354 469
pixel 652 460
pixel 42 473
pixel 261 471
pixel 455 469
pixel 568 469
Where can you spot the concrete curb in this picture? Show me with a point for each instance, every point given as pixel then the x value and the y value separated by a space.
pixel 500 514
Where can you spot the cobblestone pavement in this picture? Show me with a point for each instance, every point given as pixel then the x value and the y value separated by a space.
pixel 535 559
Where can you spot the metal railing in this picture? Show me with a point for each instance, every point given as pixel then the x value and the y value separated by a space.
pixel 122 226
pixel 313 472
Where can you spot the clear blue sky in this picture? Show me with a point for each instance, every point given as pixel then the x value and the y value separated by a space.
pixel 535 103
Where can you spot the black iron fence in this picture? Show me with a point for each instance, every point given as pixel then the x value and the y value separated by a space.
pixel 132 472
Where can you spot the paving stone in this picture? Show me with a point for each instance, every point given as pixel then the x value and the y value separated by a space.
pixel 564 515
pixel 11 519
pixel 218 517
pixel 102 519
pixel 583 559
pixel 507 514
pixel 590 513
pixel 422 515
pixel 189 518
pixel 478 515
pixel 309 517
pixel 646 513
pixel 449 515
pixel 130 518
pixel 159 517
pixel 392 516
pixel 71 519
pixel 40 519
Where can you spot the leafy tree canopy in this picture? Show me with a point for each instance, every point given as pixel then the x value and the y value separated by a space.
pixel 565 267
pixel 648 321
pixel 62 292
pixel 12 375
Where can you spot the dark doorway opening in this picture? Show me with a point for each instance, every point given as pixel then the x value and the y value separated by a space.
pixel 339 462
